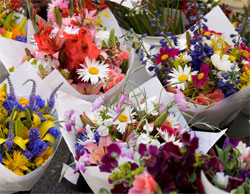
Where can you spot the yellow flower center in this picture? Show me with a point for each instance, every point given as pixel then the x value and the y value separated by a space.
pixel 23 101
pixel 232 58
pixel 183 78
pixel 245 53
pixel 200 76
pixel 95 121
pixel 93 70
pixel 123 118
pixel 167 123
pixel 207 33
pixel 164 57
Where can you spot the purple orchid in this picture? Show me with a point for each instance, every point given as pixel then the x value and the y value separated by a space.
pixel 98 103
pixel 180 99
pixel 80 164
pixel 70 119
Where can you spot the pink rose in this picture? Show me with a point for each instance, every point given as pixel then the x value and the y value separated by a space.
pixel 143 184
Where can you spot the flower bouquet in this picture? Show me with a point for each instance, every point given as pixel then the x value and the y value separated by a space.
pixel 210 71
pixel 140 117
pixel 12 20
pixel 29 136
pixel 229 170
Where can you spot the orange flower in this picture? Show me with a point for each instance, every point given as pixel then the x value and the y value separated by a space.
pixel 77 48
pixel 216 96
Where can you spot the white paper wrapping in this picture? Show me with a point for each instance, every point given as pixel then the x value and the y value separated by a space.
pixel 208 187
pixel 9 181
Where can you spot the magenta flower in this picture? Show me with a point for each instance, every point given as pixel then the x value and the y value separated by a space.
pixel 80 164
pixel 70 119
pixel 180 99
pixel 98 103
pixel 165 54
pixel 201 78
pixel 121 101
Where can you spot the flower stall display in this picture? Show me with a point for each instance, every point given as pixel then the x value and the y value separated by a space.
pixel 12 20
pixel 140 117
pixel 29 133
pixel 208 69
pixel 231 174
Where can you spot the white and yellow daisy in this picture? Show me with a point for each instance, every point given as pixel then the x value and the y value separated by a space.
pixel 125 117
pixel 172 121
pixel 93 71
pixel 180 77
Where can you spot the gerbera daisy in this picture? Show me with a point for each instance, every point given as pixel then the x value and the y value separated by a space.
pixel 93 71
pixel 180 77
pixel 165 54
pixel 201 78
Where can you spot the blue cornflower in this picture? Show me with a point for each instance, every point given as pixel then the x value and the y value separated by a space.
pixel 28 154
pixel 54 131
pixel 34 137
pixel 40 102
pixel 38 148
pixel 97 137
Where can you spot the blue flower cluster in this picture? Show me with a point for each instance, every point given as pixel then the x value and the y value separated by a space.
pixel 21 39
pixel 54 131
pixel 1 158
pixel 79 149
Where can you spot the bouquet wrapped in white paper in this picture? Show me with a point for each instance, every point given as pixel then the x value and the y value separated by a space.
pixel 29 134
pixel 97 126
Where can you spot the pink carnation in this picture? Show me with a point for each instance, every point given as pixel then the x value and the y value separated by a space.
pixel 116 77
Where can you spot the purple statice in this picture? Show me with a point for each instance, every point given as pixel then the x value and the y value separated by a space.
pixel 28 154
pixel 80 150
pixel 12 94
pixel 9 143
pixel 34 137
pixel 54 131
pixel 1 158
pixel 38 148
pixel 97 137
pixel 40 102
pixel 21 39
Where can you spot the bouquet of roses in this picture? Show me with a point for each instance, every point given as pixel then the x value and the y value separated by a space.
pixel 204 66
pixel 229 169
pixel 79 51
pixel 29 135
pixel 140 117
pixel 12 20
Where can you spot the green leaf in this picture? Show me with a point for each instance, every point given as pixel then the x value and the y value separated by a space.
pixel 103 191
pixel 58 16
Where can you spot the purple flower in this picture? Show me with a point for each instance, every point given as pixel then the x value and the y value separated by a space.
pixel 153 150
pixel 1 158
pixel 80 164
pixel 98 103
pixel 126 151
pixel 232 142
pixel 142 149
pixel 121 101
pixel 114 148
pixel 180 99
pixel 108 163
pixel 70 119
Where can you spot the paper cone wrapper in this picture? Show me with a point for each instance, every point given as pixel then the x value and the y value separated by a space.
pixel 9 181
pixel 208 187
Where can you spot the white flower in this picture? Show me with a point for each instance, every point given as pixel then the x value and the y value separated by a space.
pixel 221 179
pixel 222 64
pixel 93 71
pixel 170 138
pixel 155 142
pixel 103 130
pixel 242 147
pixel 101 36
pixel 149 105
pixel 71 30
pixel 124 118
pixel 172 121
pixel 144 139
pixel 180 77
pixel 149 128
pixel 181 43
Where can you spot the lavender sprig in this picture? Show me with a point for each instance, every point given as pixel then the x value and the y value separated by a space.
pixel 12 91
pixel 32 98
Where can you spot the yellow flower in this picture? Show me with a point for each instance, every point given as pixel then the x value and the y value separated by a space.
pixel 23 101
pixel 2 95
pixel 105 14
pixel 39 160
pixel 18 164
pixel 245 79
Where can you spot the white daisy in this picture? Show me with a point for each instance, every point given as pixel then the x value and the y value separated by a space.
pixel 149 105
pixel 172 121
pixel 222 64
pixel 93 71
pixel 101 36
pixel 181 43
pixel 124 118
pixel 169 138
pixel 180 77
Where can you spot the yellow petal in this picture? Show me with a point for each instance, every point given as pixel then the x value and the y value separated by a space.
pixel 44 127
pixel 2 140
pixel 49 117
pixel 20 142
pixel 49 137
pixel 36 121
